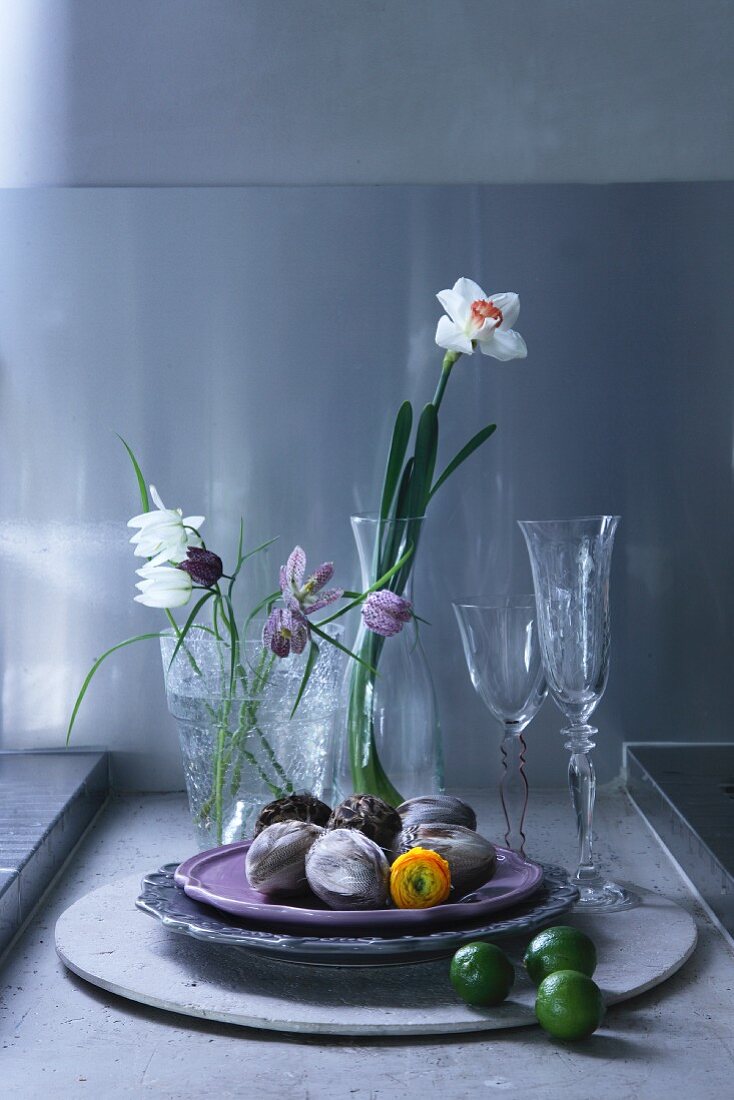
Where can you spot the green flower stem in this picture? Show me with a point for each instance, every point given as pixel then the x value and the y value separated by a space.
pixel 187 651
pixel 232 746
pixel 449 359
pixel 237 745
pixel 368 774
pixel 260 679
pixel 219 773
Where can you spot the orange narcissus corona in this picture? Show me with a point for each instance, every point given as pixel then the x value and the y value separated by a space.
pixel 419 879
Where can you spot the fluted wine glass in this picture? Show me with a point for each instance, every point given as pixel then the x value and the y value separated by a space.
pixel 571 562
pixel 503 654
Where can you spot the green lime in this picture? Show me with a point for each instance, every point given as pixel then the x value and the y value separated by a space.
pixel 482 974
pixel 559 948
pixel 569 1005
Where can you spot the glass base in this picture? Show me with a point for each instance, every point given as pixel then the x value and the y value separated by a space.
pixel 608 898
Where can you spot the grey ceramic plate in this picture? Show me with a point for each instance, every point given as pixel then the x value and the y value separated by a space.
pixel 163 899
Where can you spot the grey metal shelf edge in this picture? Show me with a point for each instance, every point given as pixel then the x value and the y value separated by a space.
pixel 686 794
pixel 47 800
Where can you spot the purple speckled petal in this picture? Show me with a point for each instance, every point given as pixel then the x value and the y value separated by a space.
pixel 300 631
pixel 295 567
pixel 393 604
pixel 322 576
pixel 385 612
pixel 380 622
pixel 331 595
pixel 274 636
pixel 203 566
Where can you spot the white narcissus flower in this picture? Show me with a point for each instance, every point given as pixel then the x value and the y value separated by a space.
pixel 164 535
pixel 476 318
pixel 163 586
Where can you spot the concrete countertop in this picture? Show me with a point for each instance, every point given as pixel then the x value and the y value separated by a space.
pixel 64 1038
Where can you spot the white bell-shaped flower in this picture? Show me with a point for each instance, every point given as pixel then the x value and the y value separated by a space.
pixel 164 534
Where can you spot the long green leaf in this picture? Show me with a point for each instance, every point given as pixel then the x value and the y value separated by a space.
pixel 396 456
pixel 240 543
pixel 262 546
pixel 233 640
pixel 373 588
pixel 404 489
pixel 143 488
pixel 93 669
pixel 313 652
pixel 187 626
pixel 390 537
pixel 468 449
pixel 426 446
pixel 240 558
pixel 258 608
pixel 327 638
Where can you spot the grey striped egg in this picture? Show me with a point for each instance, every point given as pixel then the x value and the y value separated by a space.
pixel 472 860
pixel 347 870
pixel 441 809
pixel 276 860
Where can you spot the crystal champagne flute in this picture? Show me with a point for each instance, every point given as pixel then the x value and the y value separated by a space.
pixel 571 562
pixel 503 654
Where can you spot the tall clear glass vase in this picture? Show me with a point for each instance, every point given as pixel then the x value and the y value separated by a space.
pixel 392 744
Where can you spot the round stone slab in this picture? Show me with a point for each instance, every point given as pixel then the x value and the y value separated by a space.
pixel 106 940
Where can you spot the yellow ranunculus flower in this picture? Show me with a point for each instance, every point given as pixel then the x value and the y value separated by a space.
pixel 419 879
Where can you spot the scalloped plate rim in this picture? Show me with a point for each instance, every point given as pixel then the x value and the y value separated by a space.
pixel 159 893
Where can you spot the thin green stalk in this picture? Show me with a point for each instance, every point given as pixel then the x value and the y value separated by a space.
pixel 260 679
pixel 219 773
pixel 177 632
pixel 367 771
pixel 449 359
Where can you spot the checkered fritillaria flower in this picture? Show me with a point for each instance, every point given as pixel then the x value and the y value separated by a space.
pixel 286 631
pixel 386 613
pixel 307 596
pixel 203 566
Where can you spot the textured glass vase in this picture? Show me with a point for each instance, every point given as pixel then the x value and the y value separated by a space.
pixel 239 746
pixel 392 747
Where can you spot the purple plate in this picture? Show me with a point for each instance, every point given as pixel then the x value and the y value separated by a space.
pixel 217 877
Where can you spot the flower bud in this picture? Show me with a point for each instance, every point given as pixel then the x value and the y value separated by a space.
pixel 204 567
pixel 385 612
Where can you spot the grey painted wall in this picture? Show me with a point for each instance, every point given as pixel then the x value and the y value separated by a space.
pixel 361 91
pixel 253 345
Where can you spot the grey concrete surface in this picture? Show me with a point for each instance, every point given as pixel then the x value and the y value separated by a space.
pixel 63 1038
pixel 254 344
pixel 98 92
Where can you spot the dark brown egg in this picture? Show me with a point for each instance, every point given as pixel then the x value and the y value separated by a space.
pixel 367 814
pixel 293 807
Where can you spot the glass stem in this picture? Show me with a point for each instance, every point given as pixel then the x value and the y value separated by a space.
pixel 582 785
pixel 514 788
